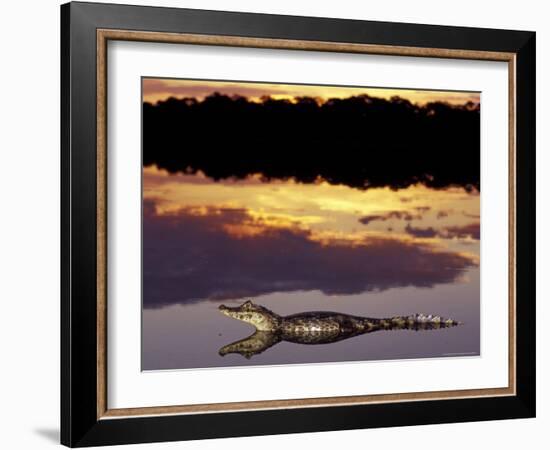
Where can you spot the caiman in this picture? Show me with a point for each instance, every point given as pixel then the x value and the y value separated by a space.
pixel 315 327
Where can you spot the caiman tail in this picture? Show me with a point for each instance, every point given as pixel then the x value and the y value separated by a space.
pixel 412 322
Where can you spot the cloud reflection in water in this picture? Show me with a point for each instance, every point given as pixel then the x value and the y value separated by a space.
pixel 211 253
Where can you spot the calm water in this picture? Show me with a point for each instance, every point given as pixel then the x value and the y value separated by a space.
pixel 301 247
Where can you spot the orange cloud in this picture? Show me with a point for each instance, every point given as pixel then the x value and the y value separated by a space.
pixel 192 255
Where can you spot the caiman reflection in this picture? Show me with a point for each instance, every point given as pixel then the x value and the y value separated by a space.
pixel 315 327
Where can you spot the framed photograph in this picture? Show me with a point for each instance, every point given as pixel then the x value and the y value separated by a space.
pixel 277 224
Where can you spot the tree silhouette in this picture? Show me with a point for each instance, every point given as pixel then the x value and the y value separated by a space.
pixel 360 141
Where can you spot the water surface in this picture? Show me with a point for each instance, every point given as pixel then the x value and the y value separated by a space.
pixel 293 247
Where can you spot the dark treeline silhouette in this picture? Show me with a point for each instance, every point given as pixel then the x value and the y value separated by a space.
pixel 358 141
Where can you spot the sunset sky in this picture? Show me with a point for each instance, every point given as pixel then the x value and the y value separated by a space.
pixel 155 89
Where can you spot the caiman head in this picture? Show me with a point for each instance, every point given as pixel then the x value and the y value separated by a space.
pixel 258 316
